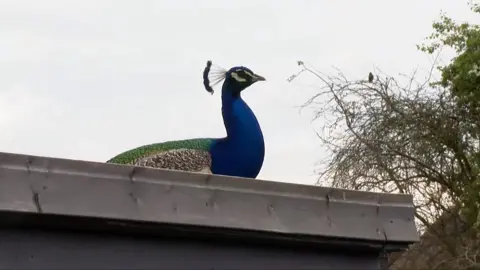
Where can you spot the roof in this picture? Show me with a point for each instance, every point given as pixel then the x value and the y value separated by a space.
pixel 36 190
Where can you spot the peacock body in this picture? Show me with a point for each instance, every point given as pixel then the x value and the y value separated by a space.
pixel 240 153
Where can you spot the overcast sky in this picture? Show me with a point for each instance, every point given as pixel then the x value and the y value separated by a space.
pixel 84 79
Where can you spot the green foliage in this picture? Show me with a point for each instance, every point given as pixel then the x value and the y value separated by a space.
pixel 462 79
pixel 449 33
pixel 462 75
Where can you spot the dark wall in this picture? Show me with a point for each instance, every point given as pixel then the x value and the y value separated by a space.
pixel 67 250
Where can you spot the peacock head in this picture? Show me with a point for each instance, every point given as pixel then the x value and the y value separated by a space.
pixel 236 79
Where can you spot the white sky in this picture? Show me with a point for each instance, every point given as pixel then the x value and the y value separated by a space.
pixel 86 79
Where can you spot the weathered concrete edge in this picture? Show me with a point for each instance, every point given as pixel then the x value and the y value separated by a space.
pixel 61 186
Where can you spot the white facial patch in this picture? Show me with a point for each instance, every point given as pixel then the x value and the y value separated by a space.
pixel 238 78
pixel 248 73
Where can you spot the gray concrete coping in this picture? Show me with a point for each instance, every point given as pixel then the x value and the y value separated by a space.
pixel 43 185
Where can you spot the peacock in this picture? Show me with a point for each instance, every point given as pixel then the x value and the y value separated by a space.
pixel 240 153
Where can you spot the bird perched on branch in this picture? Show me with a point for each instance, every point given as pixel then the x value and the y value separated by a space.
pixel 370 77
pixel 240 153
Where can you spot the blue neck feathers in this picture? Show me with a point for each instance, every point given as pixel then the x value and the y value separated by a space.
pixel 241 153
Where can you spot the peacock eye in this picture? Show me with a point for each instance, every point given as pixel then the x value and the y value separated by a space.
pixel 242 74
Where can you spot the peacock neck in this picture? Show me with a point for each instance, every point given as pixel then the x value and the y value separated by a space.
pixel 240 122
pixel 242 151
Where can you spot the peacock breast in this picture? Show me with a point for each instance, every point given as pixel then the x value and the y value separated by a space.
pixel 236 159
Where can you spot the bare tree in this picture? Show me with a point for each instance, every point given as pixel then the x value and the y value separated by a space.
pixel 411 139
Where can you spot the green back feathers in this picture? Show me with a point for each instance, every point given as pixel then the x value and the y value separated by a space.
pixel 135 154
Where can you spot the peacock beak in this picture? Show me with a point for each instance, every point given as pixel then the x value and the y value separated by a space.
pixel 257 78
